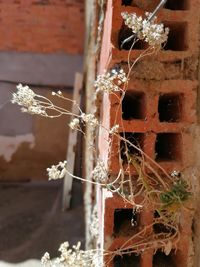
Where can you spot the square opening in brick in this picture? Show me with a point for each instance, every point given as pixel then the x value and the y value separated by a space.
pixel 177 4
pixel 128 3
pixel 134 106
pixel 170 107
pixel 127 260
pixel 160 228
pixel 125 222
pixel 168 147
pixel 127 150
pixel 160 259
pixel 124 33
pixel 177 38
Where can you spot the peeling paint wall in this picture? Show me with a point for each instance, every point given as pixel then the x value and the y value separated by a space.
pixel 25 156
pixel 10 144
pixel 42 46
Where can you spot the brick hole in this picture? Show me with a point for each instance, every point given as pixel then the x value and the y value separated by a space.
pixel 124 33
pixel 160 227
pixel 127 260
pixel 177 4
pixel 168 147
pixel 162 260
pixel 137 139
pixel 177 39
pixel 125 222
pixel 170 107
pixel 133 106
pixel 128 3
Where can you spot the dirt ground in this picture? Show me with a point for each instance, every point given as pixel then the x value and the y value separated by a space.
pixel 32 221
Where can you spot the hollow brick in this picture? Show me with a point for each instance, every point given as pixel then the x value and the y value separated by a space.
pixel 152 123
pixel 172 17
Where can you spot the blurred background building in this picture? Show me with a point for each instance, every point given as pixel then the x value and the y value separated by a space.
pixel 42 46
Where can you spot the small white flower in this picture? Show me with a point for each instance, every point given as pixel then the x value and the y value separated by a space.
pixel 24 96
pixel 110 81
pixel 154 34
pixel 34 110
pixel 74 124
pixel 45 259
pixel 57 171
pixel 75 257
pixel 133 21
pixel 175 174
pixel 90 119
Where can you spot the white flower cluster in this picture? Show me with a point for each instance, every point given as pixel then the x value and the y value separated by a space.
pixel 57 171
pixel 110 81
pixel 26 98
pixel 99 173
pixel 94 225
pixel 45 259
pixel 73 257
pixel 149 31
pixel 88 119
pixel 74 124
pixel 175 174
pixel 133 22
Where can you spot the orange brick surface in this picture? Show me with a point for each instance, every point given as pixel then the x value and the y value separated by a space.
pixel 157 127
pixel 170 17
pixel 44 26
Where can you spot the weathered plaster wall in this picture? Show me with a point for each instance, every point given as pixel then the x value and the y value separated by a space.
pixel 29 144
pixel 12 122
pixel 52 69
pixel 41 45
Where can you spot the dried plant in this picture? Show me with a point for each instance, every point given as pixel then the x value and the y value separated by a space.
pixel 168 194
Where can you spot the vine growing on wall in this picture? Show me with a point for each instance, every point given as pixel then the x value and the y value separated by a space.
pixel 167 193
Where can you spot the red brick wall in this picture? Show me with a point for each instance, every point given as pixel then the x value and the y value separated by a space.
pixel 42 26
pixel 170 76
